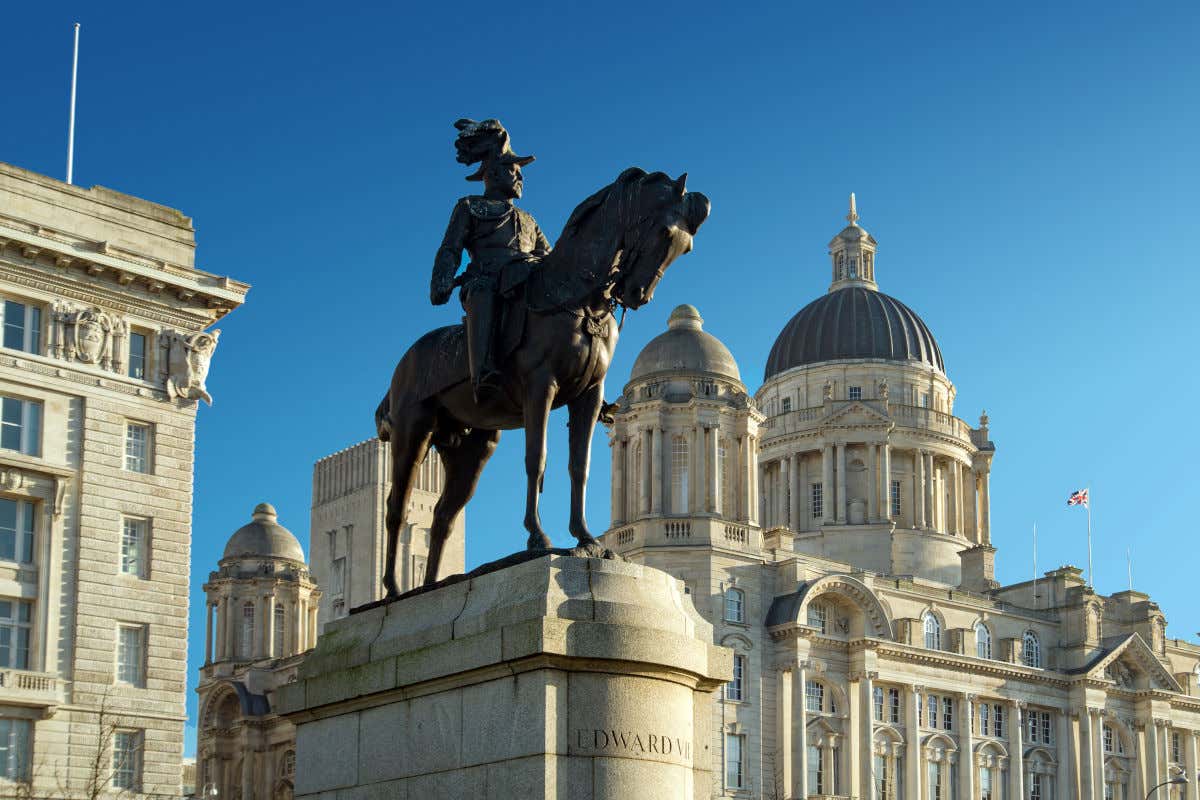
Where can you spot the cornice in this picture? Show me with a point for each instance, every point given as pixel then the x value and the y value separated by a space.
pixel 223 293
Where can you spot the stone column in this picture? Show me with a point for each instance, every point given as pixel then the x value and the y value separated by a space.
pixel 656 477
pixel 232 620
pixel 752 451
pixel 784 752
pixel 966 749
pixel 799 785
pixel 803 495
pixel 795 492
pixel 858 724
pixel 261 620
pixel 985 505
pixel 841 508
pixel 827 485
pixel 1089 751
pixel 1065 756
pixel 913 708
pixel 208 632
pixel 1016 750
pixel 930 497
pixel 269 627
pixel 866 729
pixel 618 487
pixel 647 458
pixel 698 480
pixel 298 626
pixel 248 772
pixel 714 474
pixel 918 489
pixel 785 483
pixel 959 501
pixel 872 484
pixel 742 490
pixel 885 452
pixel 1189 765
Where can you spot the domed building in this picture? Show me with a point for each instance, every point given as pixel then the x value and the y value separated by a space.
pixel 835 530
pixel 261 620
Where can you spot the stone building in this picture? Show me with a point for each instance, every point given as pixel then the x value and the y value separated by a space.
pixel 836 532
pixel 265 610
pixel 261 620
pixel 346 535
pixel 104 355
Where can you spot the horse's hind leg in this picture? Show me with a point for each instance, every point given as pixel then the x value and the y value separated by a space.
pixel 463 464
pixel 409 438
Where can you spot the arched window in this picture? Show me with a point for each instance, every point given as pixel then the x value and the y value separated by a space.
pixel 277 632
pixel 1031 653
pixel 679 475
pixel 933 632
pixel 983 641
pixel 818 616
pixel 247 643
pixel 735 605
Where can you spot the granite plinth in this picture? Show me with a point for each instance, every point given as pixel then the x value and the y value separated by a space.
pixel 562 677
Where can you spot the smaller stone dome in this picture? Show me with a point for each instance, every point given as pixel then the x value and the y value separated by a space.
pixel 685 347
pixel 854 233
pixel 264 537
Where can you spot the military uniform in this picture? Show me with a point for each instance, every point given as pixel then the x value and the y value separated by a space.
pixel 503 242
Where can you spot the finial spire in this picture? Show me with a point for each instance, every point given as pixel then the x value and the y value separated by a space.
pixel 852 217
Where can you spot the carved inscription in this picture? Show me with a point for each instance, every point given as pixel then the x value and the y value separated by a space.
pixel 632 743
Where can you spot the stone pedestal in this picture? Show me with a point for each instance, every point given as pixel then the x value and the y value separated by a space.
pixel 565 678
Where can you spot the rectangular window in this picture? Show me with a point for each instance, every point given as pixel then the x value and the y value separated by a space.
pixel 855 393
pixel 337 576
pixel 895 499
pixel 816 770
pixel 15 619
pixel 787 404
pixel 418 570
pixel 135 536
pixel 1046 739
pixel 734 758
pixel 22 327
pixel 985 784
pixel 127 760
pixel 14 748
pixel 131 654
pixel 277 630
pixel 818 500
pixel 924 399
pixel 814 696
pixel 735 605
pixel 1176 748
pixel 137 447
pixel 998 721
pixel 947 714
pixel 16 530
pixel 931 704
pixel 339 609
pixel 1035 787
pixel 894 706
pixel 936 781
pixel 21 426
pixel 877 696
pixel 137 355
pixel 733 689
pixel 984 719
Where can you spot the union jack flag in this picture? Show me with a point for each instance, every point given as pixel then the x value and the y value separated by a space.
pixel 1078 497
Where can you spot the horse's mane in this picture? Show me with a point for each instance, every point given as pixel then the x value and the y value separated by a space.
pixel 578 263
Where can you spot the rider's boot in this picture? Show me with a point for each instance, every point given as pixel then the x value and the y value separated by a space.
pixel 485 380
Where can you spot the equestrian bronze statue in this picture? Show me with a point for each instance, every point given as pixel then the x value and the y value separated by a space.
pixel 539 334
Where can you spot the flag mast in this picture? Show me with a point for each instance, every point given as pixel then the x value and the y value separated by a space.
pixel 1035 572
pixel 71 124
pixel 1088 506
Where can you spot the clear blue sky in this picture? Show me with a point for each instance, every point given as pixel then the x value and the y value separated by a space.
pixel 1029 174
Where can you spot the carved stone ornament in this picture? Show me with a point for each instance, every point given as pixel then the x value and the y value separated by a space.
pixel 883 389
pixel 187 365
pixel 828 390
pixel 90 337
pixel 11 479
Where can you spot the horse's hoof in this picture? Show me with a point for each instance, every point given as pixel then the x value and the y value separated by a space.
pixel 538 541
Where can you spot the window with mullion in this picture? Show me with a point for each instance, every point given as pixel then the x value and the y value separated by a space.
pixel 21 425
pixel 14 748
pixel 137 354
pixel 135 534
pixel 131 654
pixel 137 447
pixel 15 621
pixel 127 760
pixel 17 519
pixel 22 327
pixel 734 760
pixel 733 689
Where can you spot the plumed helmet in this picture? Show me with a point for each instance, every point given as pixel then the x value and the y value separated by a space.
pixel 485 143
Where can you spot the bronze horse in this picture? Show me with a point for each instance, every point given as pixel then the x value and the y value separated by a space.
pixel 556 344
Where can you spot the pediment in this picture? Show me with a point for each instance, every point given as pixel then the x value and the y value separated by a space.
pixel 858 414
pixel 1132 665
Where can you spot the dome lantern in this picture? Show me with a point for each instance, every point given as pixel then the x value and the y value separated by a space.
pixel 852 254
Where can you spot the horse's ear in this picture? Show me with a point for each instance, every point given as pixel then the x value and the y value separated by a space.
pixel 681 184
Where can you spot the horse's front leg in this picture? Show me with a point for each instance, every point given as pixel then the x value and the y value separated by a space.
pixel 538 400
pixel 583 412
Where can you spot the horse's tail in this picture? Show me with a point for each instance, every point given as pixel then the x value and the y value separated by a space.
pixel 383 420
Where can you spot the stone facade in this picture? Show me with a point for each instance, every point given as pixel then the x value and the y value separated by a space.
pixel 104 354
pixel 346 537
pixel 261 621
pixel 836 533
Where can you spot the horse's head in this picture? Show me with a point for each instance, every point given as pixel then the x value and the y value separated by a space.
pixel 665 218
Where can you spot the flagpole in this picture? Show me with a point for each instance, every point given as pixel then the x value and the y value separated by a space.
pixel 71 124
pixel 1129 567
pixel 1035 571
pixel 1091 573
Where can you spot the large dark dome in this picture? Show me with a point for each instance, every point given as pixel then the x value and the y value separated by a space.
pixel 853 322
